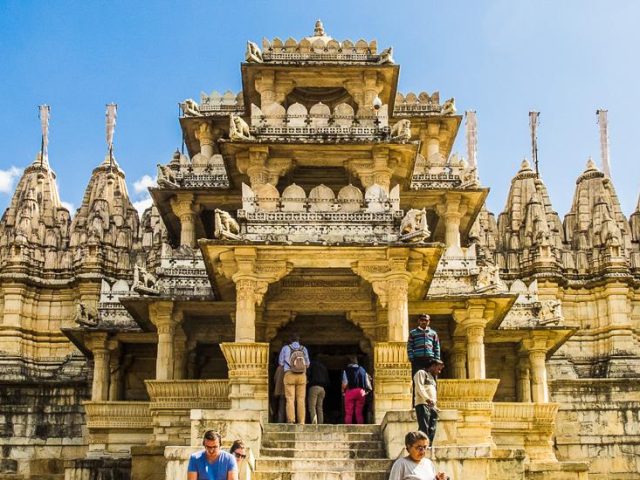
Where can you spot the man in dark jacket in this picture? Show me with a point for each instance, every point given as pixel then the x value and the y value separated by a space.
pixel 423 345
pixel 318 380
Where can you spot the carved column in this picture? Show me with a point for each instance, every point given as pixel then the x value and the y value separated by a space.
pixel 381 170
pixel 392 378
pixel 452 212
pixel 459 358
pixel 249 291
pixel 433 139
pixel 98 345
pixel 539 388
pixel 180 354
pixel 472 323
pixel 258 170
pixel 248 375
pixel 183 207
pixel 524 380
pixel 398 309
pixel 115 372
pixel 205 135
pixel 162 316
pixel 265 85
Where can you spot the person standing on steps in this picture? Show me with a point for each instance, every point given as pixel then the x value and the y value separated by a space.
pixel 294 359
pixel 318 382
pixel 212 463
pixel 354 383
pixel 425 398
pixel 415 466
pixel 423 344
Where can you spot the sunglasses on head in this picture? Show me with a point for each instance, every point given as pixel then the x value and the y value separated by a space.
pixel 240 455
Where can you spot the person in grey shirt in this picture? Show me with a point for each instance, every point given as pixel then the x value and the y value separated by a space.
pixel 415 466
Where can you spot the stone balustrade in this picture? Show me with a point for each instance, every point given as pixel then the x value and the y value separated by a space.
pixel 188 394
pixel 114 427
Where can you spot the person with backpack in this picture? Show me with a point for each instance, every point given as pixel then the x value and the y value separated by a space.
pixel 294 359
pixel 354 384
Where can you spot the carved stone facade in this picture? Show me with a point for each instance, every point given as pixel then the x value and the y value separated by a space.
pixel 319 201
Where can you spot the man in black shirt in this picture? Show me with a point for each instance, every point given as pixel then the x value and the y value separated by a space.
pixel 318 380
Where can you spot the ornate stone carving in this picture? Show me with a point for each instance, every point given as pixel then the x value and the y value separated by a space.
pixel 413 227
pixel 144 282
pixel 449 107
pixel 238 129
pixel 190 108
pixel 401 131
pixel 86 316
pixel 225 225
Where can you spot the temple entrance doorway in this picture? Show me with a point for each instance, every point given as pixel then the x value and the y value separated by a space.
pixel 331 340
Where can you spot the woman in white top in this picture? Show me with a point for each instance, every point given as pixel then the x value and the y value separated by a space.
pixel 415 466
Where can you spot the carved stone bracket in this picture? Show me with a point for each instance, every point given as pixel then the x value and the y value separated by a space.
pixel 248 375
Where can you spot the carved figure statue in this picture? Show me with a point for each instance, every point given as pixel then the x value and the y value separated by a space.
pixel 549 311
pixel 238 129
pixel 489 277
pixel 253 54
pixel 386 56
pixel 190 108
pixel 401 131
pixel 449 107
pixel 86 316
pixel 166 177
pixel 144 282
pixel 225 225
pixel 413 227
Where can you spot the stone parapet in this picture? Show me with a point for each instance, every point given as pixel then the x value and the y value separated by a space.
pixel 114 427
pixel 248 375
pixel 172 400
pixel 392 378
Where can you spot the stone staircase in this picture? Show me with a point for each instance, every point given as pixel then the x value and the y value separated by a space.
pixel 322 452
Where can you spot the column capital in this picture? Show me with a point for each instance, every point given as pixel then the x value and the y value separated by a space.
pixel 183 204
pixel 204 133
pixel 164 317
pixel 97 342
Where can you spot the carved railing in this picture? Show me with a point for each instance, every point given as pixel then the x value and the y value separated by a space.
pixel 523 416
pixel 326 132
pixel 466 393
pixel 118 415
pixel 188 394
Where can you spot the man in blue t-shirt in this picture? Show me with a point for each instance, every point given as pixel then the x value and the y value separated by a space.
pixel 212 463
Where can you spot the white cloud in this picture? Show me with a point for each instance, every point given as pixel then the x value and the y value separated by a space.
pixel 69 206
pixel 140 186
pixel 142 205
pixel 7 178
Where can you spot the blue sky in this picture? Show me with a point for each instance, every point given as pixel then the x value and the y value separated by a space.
pixel 501 58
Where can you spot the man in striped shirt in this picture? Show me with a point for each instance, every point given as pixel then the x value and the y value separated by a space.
pixel 423 345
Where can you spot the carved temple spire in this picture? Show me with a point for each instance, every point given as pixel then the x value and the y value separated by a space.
pixel 106 218
pixel 529 230
pixel 318 30
pixel 35 226
pixel 595 227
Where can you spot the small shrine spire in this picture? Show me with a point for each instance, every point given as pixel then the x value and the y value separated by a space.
pixel 318 31
pixel 45 111
pixel 472 138
pixel 604 141
pixel 533 125
pixel 111 114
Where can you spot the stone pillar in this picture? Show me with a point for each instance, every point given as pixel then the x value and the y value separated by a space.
pixel 539 388
pixel 392 378
pixel 257 170
pixel 398 309
pixel 205 135
pixel 459 358
pixel 249 291
pixel 433 139
pixel 183 207
pixel 162 316
pixel 97 343
pixel 452 210
pixel 115 372
pixel 265 85
pixel 381 170
pixel 475 349
pixel 524 380
pixel 180 354
pixel 248 376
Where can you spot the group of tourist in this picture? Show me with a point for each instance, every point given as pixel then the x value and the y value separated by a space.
pixel 296 372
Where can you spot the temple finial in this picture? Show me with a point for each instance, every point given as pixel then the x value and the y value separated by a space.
pixel 472 138
pixel 533 125
pixel 112 109
pixel 45 111
pixel 604 141
pixel 318 31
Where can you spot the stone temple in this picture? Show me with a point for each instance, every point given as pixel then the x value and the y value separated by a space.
pixel 320 200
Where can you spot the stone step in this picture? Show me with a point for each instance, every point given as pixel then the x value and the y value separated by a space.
pixel 334 445
pixel 323 436
pixel 323 465
pixel 286 427
pixel 346 453
pixel 368 475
